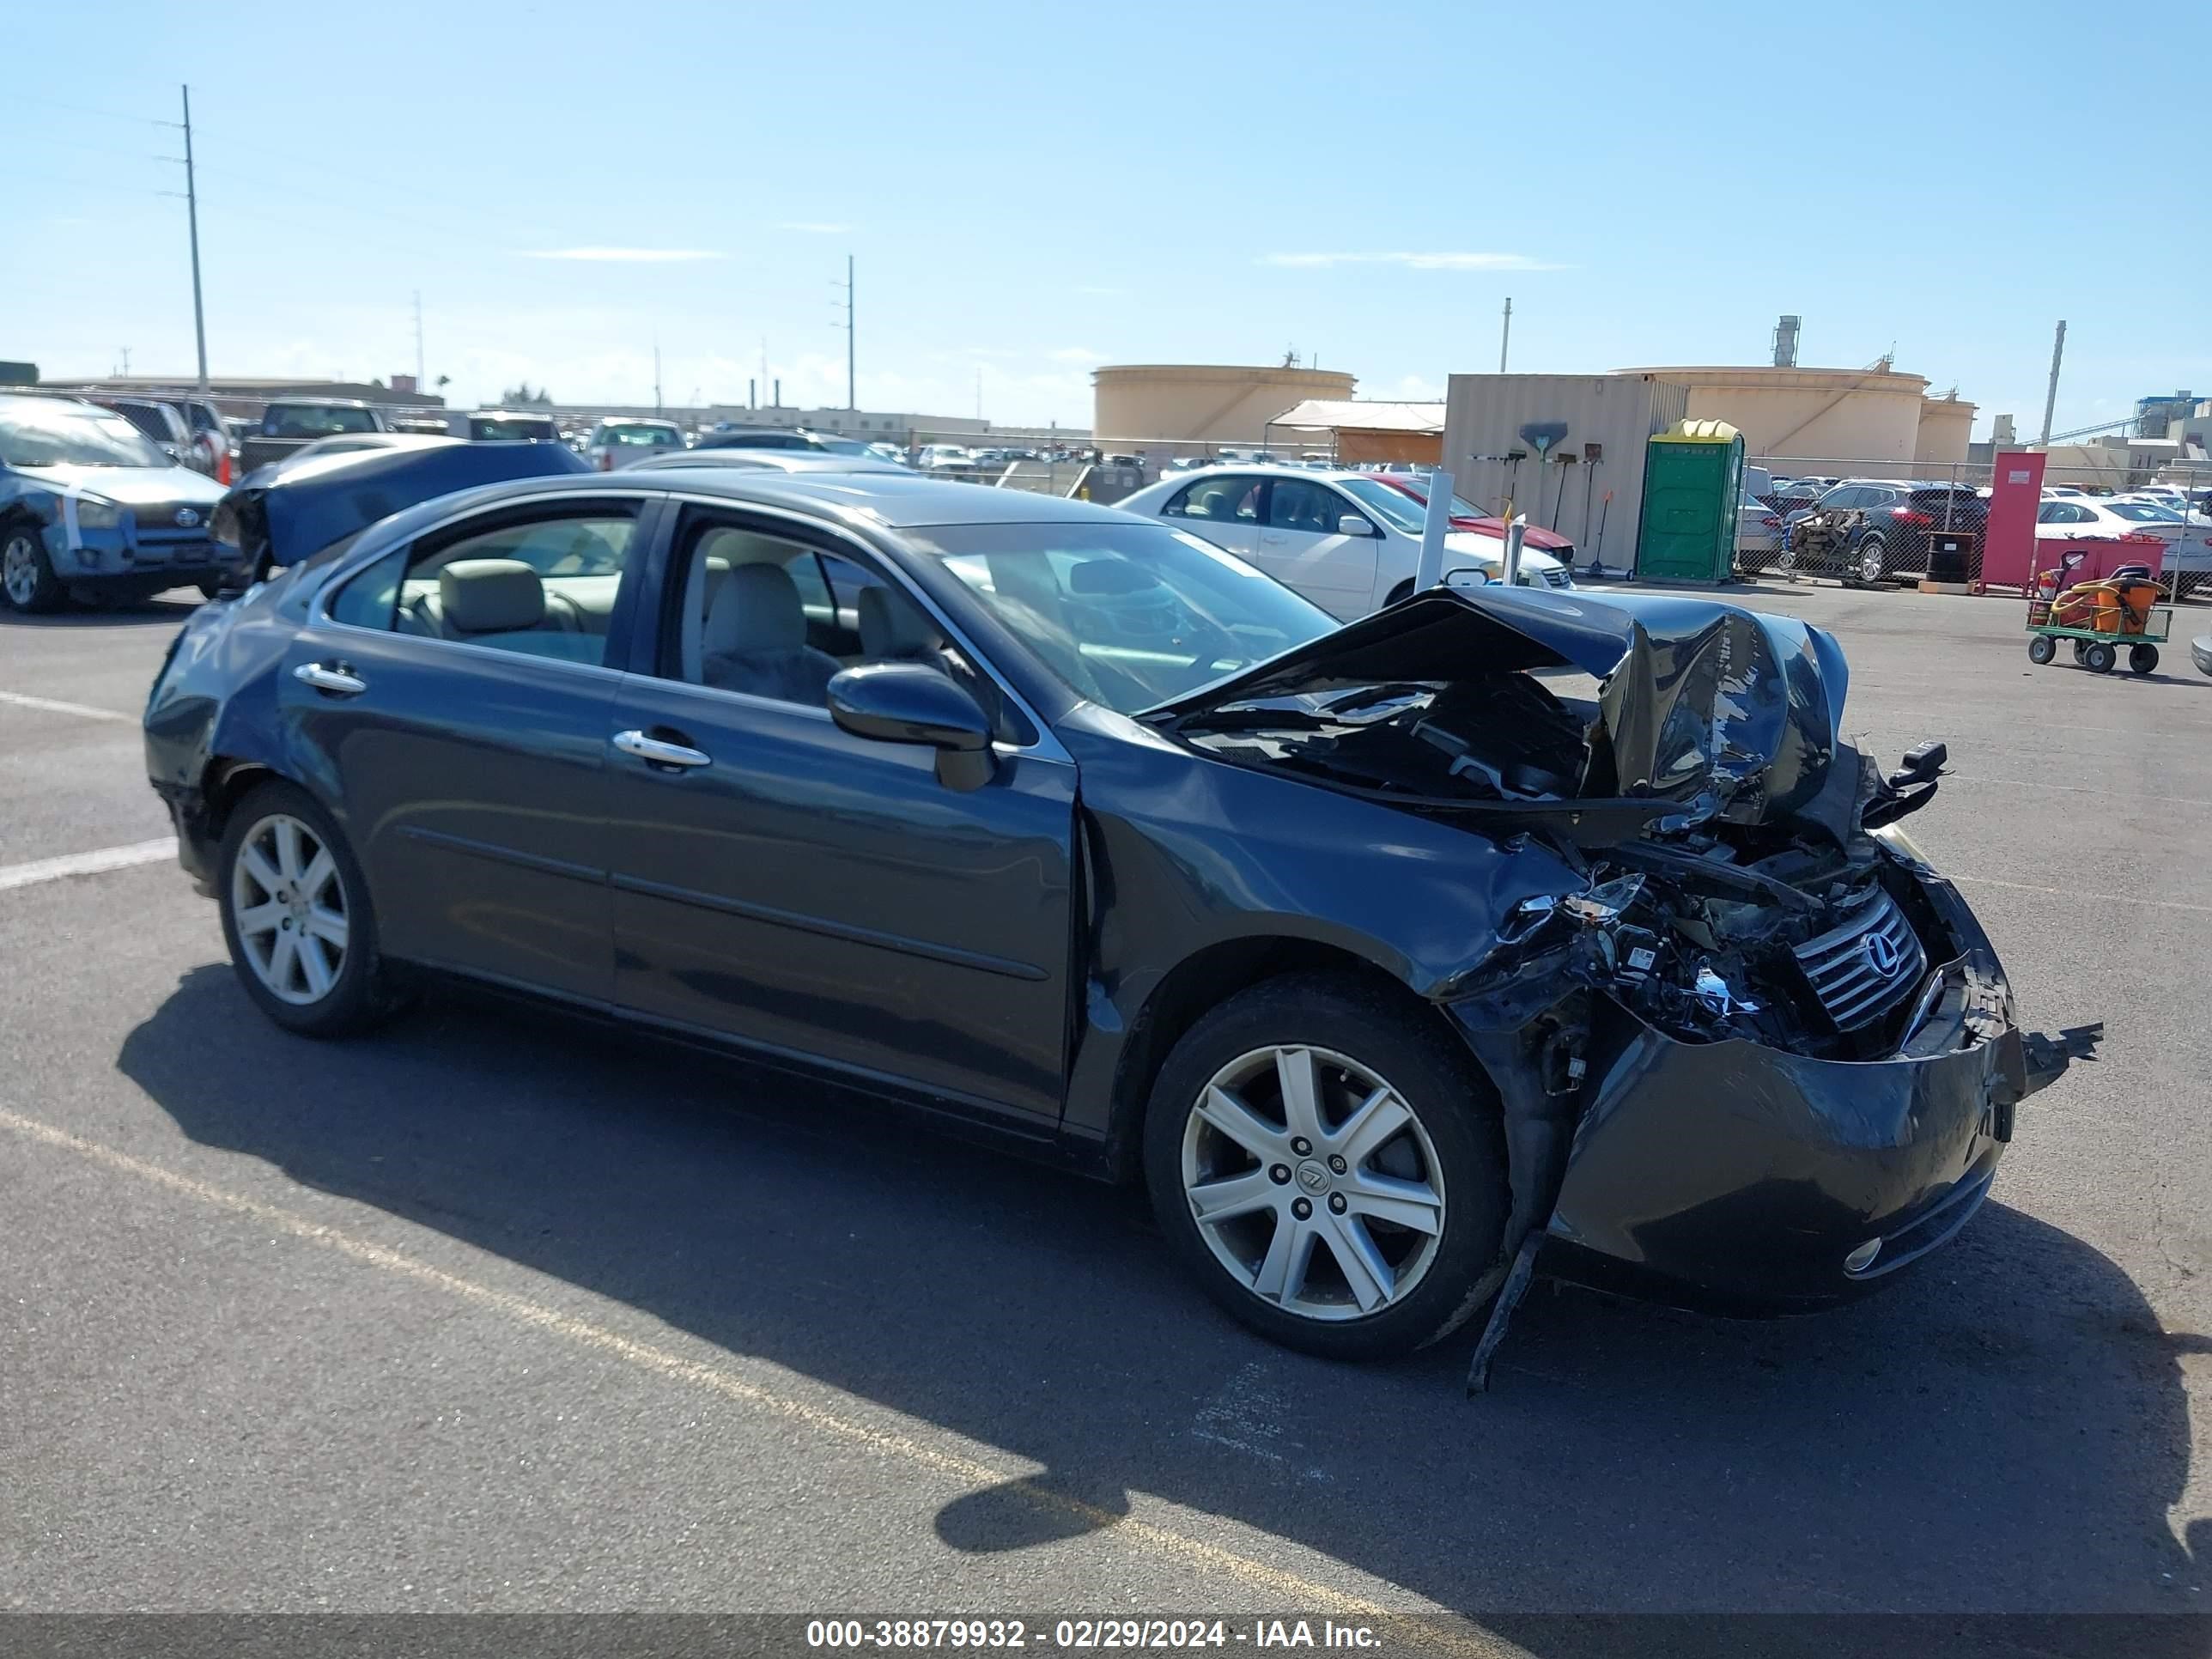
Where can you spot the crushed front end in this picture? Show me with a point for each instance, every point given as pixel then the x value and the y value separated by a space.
pixel 1753 1053
pixel 1752 1105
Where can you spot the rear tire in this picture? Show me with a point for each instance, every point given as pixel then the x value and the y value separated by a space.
pixel 27 582
pixel 2143 659
pixel 2041 649
pixel 1345 1279
pixel 297 915
pixel 2098 658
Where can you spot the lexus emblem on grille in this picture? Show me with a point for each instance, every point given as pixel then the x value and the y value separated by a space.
pixel 1881 953
pixel 186 518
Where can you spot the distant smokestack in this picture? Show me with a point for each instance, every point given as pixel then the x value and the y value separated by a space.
pixel 1785 343
pixel 778 393
pixel 752 394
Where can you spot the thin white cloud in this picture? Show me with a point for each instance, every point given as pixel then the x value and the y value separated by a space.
pixel 1412 261
pixel 814 227
pixel 635 256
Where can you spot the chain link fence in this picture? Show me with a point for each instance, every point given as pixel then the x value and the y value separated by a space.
pixel 1878 524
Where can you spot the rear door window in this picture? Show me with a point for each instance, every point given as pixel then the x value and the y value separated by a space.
pixel 542 582
pixel 1230 500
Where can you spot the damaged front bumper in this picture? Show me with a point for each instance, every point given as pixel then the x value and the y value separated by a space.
pixel 1737 1177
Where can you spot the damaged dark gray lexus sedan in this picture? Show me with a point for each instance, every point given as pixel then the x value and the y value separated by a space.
pixel 1501 931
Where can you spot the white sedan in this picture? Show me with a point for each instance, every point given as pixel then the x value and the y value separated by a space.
pixel 2099 518
pixel 1347 541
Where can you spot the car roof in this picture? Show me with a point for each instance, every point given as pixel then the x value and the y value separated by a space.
pixel 635 420
pixel 893 500
pixel 796 460
pixel 321 403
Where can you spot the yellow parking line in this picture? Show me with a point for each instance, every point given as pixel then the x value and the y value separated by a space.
pixel 2077 893
pixel 53 706
pixel 1302 1593
pixel 96 862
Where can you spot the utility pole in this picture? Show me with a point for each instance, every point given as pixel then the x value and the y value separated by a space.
pixel 656 377
pixel 422 380
pixel 125 350
pixel 1505 337
pixel 2050 398
pixel 851 398
pixel 193 218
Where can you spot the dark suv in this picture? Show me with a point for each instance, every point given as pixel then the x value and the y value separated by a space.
pixel 1892 542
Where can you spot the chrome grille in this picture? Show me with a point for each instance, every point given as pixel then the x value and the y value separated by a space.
pixel 1860 970
pixel 1558 579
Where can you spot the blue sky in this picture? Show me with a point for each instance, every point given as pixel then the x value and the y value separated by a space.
pixel 1030 190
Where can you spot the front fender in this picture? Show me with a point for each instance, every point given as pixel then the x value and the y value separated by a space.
pixel 1186 855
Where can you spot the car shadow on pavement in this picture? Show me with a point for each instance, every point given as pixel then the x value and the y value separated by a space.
pixel 2005 1431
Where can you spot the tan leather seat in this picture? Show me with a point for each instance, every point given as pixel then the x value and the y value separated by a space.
pixel 755 640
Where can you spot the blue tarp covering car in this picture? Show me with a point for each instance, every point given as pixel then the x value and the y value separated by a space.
pixel 283 513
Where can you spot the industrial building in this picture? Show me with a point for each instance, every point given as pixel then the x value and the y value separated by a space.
pixel 1883 420
pixel 1189 405
pixel 1567 450
pixel 1358 433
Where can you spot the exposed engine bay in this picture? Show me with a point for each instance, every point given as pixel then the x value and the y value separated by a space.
pixel 1720 824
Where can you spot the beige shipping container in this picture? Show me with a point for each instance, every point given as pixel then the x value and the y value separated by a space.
pixel 1483 417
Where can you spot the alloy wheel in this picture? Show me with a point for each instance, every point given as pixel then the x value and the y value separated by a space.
pixel 1873 561
pixel 19 570
pixel 288 902
pixel 1313 1182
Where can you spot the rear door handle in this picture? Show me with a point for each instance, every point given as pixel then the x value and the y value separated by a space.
pixel 334 677
pixel 654 752
pixel 1272 541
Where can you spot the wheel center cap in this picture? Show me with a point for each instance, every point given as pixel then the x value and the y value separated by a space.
pixel 1313 1177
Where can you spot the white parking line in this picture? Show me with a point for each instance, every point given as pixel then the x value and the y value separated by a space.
pixel 53 707
pixel 87 864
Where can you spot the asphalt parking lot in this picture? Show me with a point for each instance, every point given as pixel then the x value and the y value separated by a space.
pixel 492 1312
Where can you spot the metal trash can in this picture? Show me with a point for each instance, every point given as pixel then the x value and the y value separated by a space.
pixel 1950 556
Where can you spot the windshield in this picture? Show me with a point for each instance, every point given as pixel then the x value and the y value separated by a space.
pixel 1392 507
pixel 313 420
pixel 68 434
pixel 837 445
pixel 498 428
pixel 1128 615
pixel 2145 512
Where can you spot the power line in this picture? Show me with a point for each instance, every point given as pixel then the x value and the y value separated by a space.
pixel 14 97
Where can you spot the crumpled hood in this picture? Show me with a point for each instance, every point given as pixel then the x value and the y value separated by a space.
pixel 1730 713
pixel 131 486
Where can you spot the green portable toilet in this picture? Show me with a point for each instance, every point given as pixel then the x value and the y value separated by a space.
pixel 1692 481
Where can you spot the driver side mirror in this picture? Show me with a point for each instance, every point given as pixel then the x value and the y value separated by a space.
pixel 1353 524
pixel 911 703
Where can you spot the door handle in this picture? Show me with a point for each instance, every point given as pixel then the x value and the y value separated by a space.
pixel 1272 541
pixel 654 752
pixel 335 678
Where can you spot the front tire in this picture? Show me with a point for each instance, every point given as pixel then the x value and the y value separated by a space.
pixel 1330 1166
pixel 27 581
pixel 296 916
pixel 2041 649
pixel 1872 560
